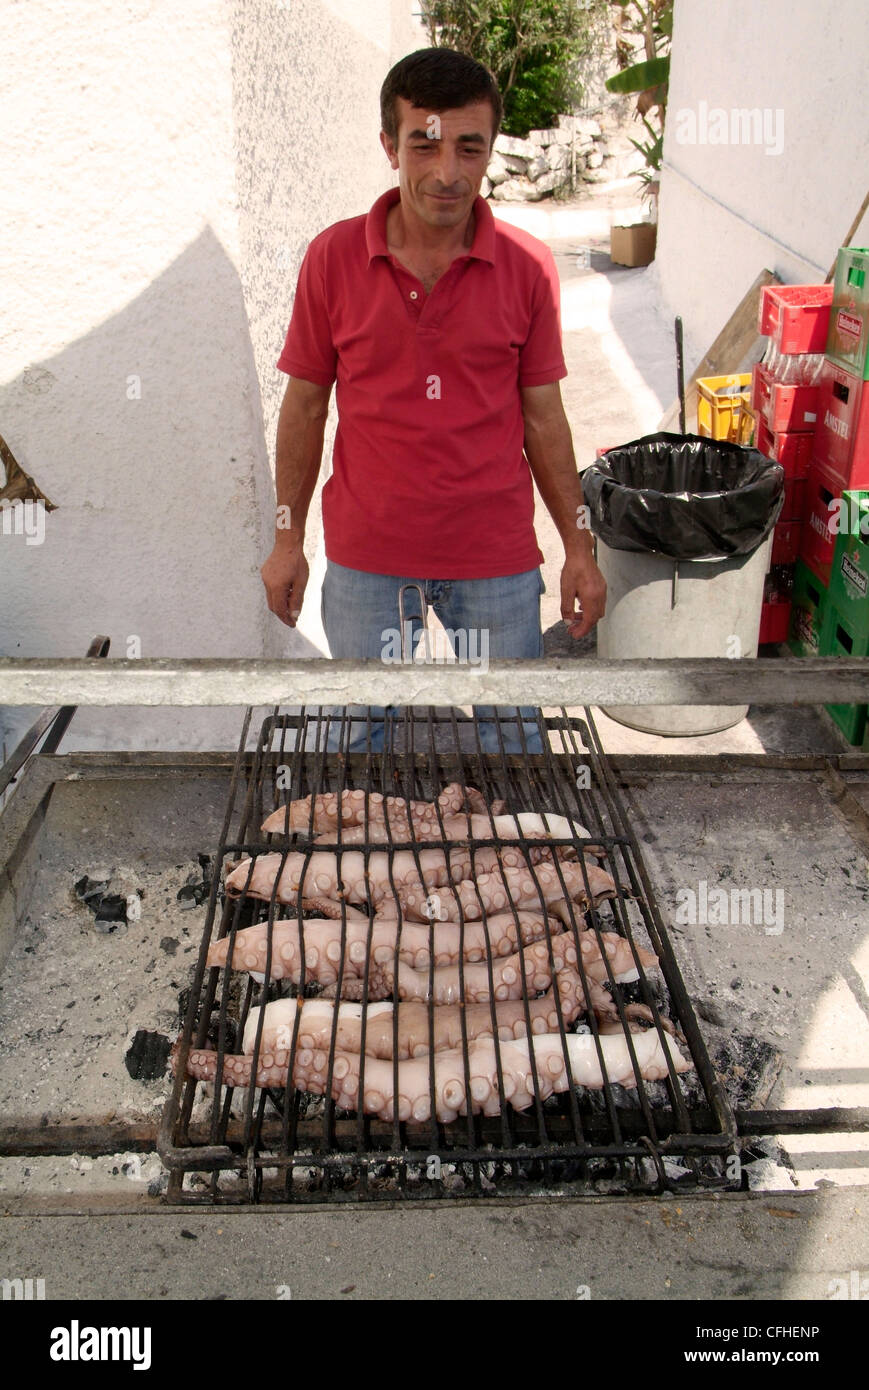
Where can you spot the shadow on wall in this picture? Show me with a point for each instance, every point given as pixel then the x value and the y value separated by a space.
pixel 147 433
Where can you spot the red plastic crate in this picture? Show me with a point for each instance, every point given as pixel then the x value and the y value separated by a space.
pixel 792 451
pixel 783 407
pixel 841 441
pixel 795 316
pixel 818 542
pixel 774 622
pixel 786 538
pixel 796 499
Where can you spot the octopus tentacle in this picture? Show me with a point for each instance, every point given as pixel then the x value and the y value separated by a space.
pixel 543 1064
pixel 358 877
pixel 410 1030
pixel 619 964
pixel 464 826
pixel 328 810
pixel 527 972
pixel 510 883
pixel 418 945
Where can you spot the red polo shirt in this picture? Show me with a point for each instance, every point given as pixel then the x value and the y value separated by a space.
pixel 428 475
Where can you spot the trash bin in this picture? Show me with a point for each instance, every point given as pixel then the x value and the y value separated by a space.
pixel 684 529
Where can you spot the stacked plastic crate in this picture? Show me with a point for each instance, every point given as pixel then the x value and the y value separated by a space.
pixel 838 555
pixel 785 394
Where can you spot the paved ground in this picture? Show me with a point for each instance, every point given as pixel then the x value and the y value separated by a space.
pixel 704 1249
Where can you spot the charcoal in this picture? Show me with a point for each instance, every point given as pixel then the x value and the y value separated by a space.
pixel 147 1054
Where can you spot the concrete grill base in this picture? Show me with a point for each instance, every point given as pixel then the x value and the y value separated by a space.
pixel 142 822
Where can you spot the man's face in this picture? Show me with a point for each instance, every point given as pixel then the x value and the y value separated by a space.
pixel 441 158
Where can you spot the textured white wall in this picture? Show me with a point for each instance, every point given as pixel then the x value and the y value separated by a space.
pixel 165 165
pixel 728 210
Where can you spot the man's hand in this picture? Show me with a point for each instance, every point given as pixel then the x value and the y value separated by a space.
pixel 549 450
pixel 301 422
pixel 582 581
pixel 285 576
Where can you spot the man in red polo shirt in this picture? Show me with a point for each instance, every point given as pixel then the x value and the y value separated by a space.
pixel 441 328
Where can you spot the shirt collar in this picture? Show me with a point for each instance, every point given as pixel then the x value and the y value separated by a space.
pixel 482 248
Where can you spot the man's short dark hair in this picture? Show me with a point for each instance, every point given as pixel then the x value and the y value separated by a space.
pixel 437 79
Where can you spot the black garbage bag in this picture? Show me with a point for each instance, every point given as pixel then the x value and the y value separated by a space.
pixel 684 496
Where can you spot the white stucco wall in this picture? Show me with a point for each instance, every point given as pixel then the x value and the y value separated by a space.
pixel 728 210
pixel 166 164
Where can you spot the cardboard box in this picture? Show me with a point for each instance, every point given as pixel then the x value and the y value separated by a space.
pixel 634 245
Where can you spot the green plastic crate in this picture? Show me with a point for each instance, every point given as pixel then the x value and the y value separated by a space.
pixel 849 577
pixel 808 610
pixel 839 638
pixel 848 331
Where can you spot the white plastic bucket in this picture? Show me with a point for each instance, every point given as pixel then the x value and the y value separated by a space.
pixel 658 607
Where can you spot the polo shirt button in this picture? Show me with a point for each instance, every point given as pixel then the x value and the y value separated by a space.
pixel 414 295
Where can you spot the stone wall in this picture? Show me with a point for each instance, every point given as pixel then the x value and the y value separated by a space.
pixel 561 159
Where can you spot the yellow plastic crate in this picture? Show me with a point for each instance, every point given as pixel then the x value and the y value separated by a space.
pixel 719 412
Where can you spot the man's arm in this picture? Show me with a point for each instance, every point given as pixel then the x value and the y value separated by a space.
pixel 299 450
pixel 549 450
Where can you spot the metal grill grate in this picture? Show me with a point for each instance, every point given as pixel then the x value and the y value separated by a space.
pixel 246 1143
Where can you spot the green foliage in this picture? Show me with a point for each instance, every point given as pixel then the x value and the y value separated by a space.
pixel 653 72
pixel 653 20
pixel 652 151
pixel 534 102
pixel 530 46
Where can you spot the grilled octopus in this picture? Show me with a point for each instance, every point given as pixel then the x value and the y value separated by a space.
pixel 542 1065
pixel 407 877
pixel 328 810
pixel 373 948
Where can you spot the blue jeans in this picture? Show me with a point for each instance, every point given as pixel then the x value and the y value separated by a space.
pixel 484 618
